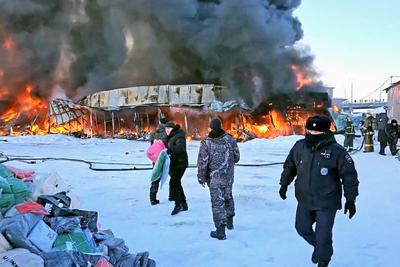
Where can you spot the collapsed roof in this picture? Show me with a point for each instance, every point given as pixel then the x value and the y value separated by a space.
pixel 65 111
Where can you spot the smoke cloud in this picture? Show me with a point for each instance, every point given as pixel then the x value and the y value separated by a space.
pixel 85 46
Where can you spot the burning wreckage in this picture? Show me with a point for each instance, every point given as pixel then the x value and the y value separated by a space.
pixel 134 112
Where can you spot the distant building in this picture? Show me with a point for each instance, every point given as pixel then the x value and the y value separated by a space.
pixel 339 102
pixel 393 101
pixel 329 90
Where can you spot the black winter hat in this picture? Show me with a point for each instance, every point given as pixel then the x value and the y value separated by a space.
pixel 216 124
pixel 169 124
pixel 393 122
pixel 318 123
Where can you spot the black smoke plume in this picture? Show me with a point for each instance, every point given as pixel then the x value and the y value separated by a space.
pixel 83 46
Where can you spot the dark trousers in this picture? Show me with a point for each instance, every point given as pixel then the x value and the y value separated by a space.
pixel 382 147
pixel 175 185
pixel 321 237
pixel 154 189
pixel 393 146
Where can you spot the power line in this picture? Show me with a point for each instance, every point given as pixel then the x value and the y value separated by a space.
pixel 380 87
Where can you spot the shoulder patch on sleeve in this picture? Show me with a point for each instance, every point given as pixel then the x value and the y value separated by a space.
pixel 349 159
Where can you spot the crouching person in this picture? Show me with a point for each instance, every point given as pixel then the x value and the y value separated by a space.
pixel 322 167
pixel 216 161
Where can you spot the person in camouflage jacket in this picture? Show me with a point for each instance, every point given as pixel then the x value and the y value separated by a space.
pixel 216 161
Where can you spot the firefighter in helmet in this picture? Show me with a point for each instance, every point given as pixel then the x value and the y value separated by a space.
pixel 349 135
pixel 368 134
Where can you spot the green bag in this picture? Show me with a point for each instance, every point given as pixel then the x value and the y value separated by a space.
pixel 4 172
pixel 75 241
pixel 5 186
pixel 6 202
pixel 158 166
pixel 14 192
pixel 20 190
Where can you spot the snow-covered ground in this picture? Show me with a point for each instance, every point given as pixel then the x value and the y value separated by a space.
pixel 264 232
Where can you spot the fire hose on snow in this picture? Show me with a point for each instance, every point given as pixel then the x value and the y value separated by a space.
pixel 92 164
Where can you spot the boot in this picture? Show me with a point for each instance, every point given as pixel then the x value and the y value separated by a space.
pixel 177 209
pixel 219 233
pixel 314 258
pixel 229 222
pixel 382 151
pixel 323 264
pixel 184 206
pixel 153 199
pixel 154 202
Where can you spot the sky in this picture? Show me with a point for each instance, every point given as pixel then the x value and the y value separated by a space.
pixel 354 42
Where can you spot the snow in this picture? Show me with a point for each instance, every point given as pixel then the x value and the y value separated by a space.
pixel 264 233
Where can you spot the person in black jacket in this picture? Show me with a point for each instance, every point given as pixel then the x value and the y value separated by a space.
pixel 382 137
pixel 392 133
pixel 176 148
pixel 321 166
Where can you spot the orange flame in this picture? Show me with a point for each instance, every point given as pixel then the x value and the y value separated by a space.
pixel 336 108
pixel 9 43
pixel 302 78
pixel 24 103
pixel 28 115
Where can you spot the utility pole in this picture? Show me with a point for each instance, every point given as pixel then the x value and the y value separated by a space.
pixel 351 98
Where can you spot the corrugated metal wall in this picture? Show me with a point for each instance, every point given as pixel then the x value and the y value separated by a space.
pixel 174 95
pixel 394 103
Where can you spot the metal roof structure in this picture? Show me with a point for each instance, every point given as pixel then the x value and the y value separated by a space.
pixel 64 111
pixel 172 95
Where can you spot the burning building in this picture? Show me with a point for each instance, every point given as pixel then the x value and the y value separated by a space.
pixel 246 51
pixel 133 112
pixel 192 106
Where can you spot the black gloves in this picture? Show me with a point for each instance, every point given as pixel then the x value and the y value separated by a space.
pixel 351 207
pixel 282 191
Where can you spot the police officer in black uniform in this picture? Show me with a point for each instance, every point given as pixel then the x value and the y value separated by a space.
pixel 321 166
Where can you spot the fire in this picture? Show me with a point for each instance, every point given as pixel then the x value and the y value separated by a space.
pixel 27 106
pixel 3 92
pixel 262 128
pixel 30 115
pixel 336 108
pixel 24 102
pixel 302 78
pixel 9 43
pixel 271 125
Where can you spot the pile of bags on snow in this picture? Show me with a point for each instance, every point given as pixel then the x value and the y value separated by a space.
pixel 41 225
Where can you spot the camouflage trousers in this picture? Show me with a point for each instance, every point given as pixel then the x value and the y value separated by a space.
pixel 222 204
